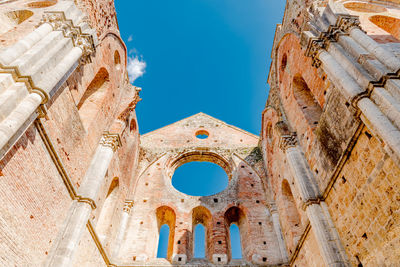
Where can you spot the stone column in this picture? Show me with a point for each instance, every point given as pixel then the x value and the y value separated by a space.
pixel 383 54
pixel 358 98
pixel 75 226
pixel 321 223
pixel 277 227
pixel 122 227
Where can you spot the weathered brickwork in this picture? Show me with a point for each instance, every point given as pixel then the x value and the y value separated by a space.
pixel 32 210
pixel 80 187
pixel 365 206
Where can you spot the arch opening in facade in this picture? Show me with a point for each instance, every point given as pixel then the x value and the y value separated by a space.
pixel 92 100
pixel 306 101
pixel 166 216
pixel 236 216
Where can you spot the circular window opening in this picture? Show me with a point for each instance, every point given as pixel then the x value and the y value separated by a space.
pixel 200 179
pixel 202 134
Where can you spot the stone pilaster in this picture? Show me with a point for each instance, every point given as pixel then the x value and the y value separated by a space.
pixel 75 226
pixel 277 227
pixel 328 240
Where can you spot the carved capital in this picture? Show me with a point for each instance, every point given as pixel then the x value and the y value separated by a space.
pixel 347 22
pixel 111 140
pixel 128 204
pixel 82 40
pixel 287 141
pixel 272 207
pixel 314 48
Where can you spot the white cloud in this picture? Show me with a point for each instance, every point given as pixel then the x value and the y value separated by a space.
pixel 136 68
pixel 130 38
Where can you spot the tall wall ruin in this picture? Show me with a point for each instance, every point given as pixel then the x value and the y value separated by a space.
pixel 80 187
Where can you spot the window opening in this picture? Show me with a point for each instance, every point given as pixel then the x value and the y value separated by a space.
pixel 200 179
pixel 236 246
pixel 199 241
pixel 163 242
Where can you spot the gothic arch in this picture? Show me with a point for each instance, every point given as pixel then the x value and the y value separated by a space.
pixel 92 100
pixel 179 160
pixel 305 99
pixel 236 215
pixel 201 215
pixel 166 215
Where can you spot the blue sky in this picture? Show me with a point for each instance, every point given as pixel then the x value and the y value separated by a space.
pixel 208 56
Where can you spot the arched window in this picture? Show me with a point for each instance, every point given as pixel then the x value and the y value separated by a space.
pixel 92 100
pixel 163 241
pixel 199 241
pixel 237 229
pixel 201 224
pixel 292 217
pixel 306 101
pixel 106 216
pixel 166 221
pixel 236 246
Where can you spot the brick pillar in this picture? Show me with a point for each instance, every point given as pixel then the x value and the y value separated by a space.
pixel 219 240
pixel 327 237
pixel 71 234
pixel 183 240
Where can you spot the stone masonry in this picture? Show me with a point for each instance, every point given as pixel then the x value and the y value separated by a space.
pixel 319 187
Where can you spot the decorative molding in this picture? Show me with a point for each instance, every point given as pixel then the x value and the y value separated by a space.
pixel 311 201
pixel 111 140
pixel 59 22
pixel 27 80
pixel 99 246
pixel 286 141
pixel 128 204
pixel 344 24
pixel 87 200
pixel 314 48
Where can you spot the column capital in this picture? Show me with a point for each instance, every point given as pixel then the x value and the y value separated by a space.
pixel 347 22
pixel 314 48
pixel 272 207
pixel 59 22
pixel 128 204
pixel 111 140
pixel 287 141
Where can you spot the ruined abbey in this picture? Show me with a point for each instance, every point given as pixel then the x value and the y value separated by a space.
pixel 320 185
